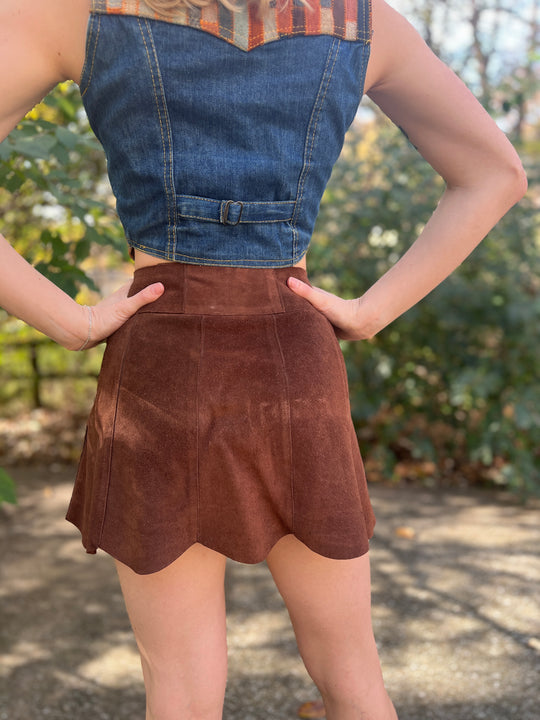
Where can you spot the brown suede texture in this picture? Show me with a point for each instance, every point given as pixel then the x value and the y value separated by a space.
pixel 221 417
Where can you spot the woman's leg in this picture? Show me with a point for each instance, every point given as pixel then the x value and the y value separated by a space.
pixel 329 602
pixel 178 617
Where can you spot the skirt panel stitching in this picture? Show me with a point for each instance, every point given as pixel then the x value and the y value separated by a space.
pixel 289 423
pixel 113 429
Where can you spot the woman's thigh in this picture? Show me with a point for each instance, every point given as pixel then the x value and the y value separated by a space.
pixel 178 617
pixel 329 602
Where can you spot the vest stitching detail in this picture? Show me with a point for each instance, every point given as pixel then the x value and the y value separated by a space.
pixel 217 261
pixel 167 145
pixel 240 222
pixel 247 202
pixel 94 34
pixel 310 135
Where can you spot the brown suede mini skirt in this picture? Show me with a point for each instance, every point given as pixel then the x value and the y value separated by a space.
pixel 221 417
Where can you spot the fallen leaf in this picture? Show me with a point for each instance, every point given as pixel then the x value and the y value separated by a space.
pixel 405 532
pixel 313 709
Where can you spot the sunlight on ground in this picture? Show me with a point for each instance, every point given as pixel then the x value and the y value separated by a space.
pixel 22 653
pixel 114 668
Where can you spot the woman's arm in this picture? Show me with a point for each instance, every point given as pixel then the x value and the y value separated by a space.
pixel 482 171
pixel 41 44
pixel 28 295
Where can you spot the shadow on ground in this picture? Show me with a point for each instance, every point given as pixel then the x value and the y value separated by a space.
pixel 455 599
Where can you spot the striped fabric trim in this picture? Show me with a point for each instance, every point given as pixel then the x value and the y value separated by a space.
pixel 345 19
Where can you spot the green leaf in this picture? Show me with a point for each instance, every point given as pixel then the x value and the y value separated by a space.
pixel 67 138
pixel 14 182
pixel 7 488
pixel 39 146
pixel 5 150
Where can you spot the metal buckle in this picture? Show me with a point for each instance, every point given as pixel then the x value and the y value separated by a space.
pixel 228 204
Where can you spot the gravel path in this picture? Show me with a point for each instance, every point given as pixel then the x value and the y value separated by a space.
pixel 456 588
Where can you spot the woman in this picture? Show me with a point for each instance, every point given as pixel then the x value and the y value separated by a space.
pixel 221 424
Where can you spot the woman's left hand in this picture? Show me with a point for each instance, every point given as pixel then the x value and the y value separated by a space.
pixel 345 315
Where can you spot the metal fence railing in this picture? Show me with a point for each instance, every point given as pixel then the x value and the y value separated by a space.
pixel 24 369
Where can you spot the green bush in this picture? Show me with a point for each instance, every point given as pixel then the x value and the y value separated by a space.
pixel 454 381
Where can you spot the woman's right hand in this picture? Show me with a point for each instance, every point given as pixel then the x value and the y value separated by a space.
pixel 483 174
pixel 349 322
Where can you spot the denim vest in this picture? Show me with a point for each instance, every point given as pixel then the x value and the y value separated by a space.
pixel 221 128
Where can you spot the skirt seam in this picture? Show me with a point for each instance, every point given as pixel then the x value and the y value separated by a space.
pixel 309 309
pixel 113 431
pixel 289 423
pixel 197 434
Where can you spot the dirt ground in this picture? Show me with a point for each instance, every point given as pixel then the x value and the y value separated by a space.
pixel 456 588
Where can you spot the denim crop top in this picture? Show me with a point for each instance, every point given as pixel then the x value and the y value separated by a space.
pixel 221 129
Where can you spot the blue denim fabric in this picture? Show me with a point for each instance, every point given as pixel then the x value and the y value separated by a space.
pixel 218 156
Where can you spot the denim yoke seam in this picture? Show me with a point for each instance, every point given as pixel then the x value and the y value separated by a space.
pixel 163 117
pixel 93 39
pixel 367 30
pixel 311 133
pixel 267 35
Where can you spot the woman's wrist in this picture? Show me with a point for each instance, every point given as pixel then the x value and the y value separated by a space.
pixel 28 295
pixel 79 335
pixel 72 328
pixel 368 321
pixel 90 322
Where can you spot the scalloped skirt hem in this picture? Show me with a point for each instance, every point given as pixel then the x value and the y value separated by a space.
pixel 141 570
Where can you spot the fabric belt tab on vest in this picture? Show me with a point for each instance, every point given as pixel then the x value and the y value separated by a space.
pixel 233 212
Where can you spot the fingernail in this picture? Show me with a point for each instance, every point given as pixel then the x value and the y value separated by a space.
pixel 295 282
pixel 158 288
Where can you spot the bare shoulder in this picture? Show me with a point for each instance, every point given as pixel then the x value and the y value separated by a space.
pixel 54 27
pixel 70 24
pixel 395 42
pixel 42 42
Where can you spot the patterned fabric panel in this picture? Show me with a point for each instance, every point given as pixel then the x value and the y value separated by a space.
pixel 345 19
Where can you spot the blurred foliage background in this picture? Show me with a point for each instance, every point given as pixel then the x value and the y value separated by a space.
pixel 447 394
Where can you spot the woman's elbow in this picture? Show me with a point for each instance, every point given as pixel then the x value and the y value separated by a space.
pixel 505 181
pixel 516 179
pixel 512 175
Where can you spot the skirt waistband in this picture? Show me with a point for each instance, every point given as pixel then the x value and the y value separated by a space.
pixel 209 290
